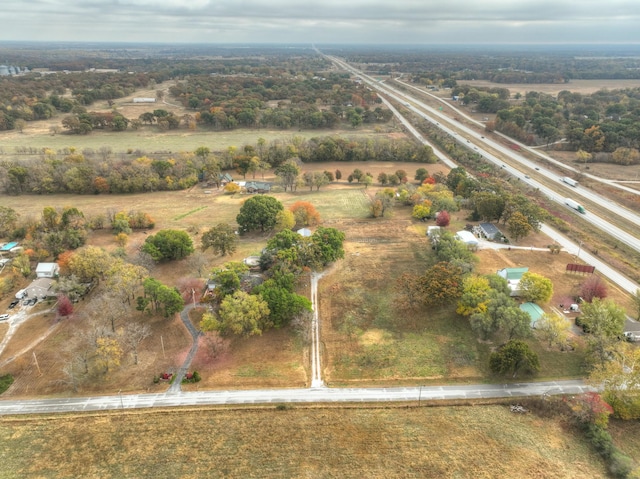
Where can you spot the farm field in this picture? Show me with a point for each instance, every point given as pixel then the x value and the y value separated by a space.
pixel 373 442
pixel 380 348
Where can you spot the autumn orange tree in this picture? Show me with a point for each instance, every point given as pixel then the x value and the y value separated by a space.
pixel 441 284
pixel 305 214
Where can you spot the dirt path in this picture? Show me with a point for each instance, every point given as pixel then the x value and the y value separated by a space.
pixel 176 385
pixel 16 321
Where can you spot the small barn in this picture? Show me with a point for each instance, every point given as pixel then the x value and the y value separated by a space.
pixel 47 270
pixel 513 277
pixel 534 311
pixel 144 100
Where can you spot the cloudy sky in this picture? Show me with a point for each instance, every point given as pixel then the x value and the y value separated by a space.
pixel 323 21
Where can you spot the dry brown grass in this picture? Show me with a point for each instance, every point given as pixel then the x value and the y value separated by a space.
pixel 379 442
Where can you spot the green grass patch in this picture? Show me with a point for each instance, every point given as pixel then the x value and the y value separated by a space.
pixel 5 382
pixel 184 215
pixel 334 203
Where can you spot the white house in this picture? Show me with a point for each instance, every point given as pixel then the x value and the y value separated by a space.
pixel 47 270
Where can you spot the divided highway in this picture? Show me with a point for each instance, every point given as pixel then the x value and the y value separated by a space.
pixel 476 141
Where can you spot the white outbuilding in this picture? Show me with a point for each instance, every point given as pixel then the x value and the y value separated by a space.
pixel 468 238
pixel 47 270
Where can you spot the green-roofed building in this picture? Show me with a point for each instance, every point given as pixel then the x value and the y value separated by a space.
pixel 513 277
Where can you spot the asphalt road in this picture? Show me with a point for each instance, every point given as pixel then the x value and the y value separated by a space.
pixel 280 396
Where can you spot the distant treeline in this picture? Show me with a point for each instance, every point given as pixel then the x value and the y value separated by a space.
pixel 96 172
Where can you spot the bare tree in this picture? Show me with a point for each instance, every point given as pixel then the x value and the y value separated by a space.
pixel 134 334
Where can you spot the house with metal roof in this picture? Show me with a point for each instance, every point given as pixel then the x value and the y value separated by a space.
pixel 489 231
pixel 513 277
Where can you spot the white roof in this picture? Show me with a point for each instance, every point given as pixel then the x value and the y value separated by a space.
pixel 46 267
pixel 466 237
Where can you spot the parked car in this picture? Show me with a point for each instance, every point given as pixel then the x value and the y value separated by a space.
pixel 4 317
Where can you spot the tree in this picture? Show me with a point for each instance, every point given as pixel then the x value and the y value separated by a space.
pixel 21 264
pixel 338 175
pixel 519 226
pixel 241 314
pixel 227 279
pixel 443 219
pixel 593 287
pixel 305 214
pixel 288 174
pixel 65 306
pixel 8 220
pixel 90 263
pixel 329 242
pixel 285 220
pixel 108 352
pixel 441 284
pixel 168 245
pixel 605 321
pixel 475 295
pixel 514 357
pixel 421 175
pixel 619 379
pixel 258 213
pixel 535 288
pixel 134 334
pixel 554 329
pixel 422 211
pixel 283 304
pixel 222 239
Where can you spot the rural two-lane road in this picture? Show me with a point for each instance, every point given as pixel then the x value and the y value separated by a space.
pixel 281 396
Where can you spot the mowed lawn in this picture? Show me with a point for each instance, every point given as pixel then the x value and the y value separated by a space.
pixel 319 442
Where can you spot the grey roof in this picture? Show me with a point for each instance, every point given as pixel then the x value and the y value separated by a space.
pixel 489 229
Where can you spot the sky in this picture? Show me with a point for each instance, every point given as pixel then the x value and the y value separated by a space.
pixel 322 21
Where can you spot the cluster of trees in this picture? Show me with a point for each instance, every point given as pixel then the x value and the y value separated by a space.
pixel 246 308
pixel 60 229
pixel 603 124
pixel 226 102
pixel 94 172
pixel 167 245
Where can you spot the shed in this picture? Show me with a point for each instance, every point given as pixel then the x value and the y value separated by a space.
pixel 489 231
pixel 513 277
pixel 144 100
pixel 306 232
pixel 467 237
pixel 47 270
pixel 534 311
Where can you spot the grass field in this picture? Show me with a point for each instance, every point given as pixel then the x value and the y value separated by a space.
pixel 440 442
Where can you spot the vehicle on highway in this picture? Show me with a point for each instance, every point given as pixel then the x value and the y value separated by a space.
pixel 537 169
pixel 527 177
pixel 575 205
pixel 569 181
pixel 4 317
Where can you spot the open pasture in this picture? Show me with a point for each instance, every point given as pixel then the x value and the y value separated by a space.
pixel 379 442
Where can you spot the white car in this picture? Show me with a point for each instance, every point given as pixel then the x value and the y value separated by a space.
pixel 4 317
